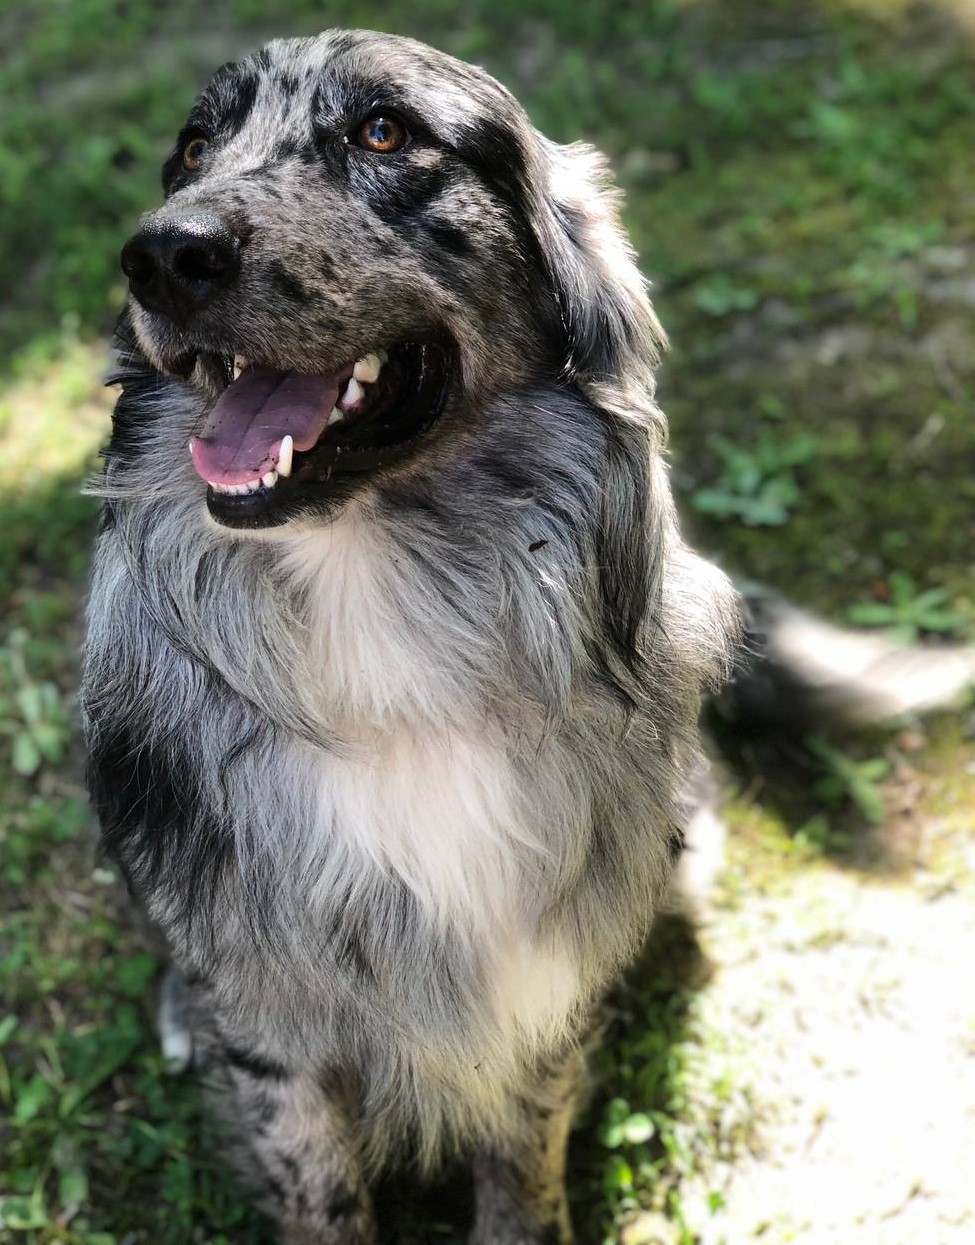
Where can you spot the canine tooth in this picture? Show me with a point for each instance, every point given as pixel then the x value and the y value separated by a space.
pixel 335 416
pixel 269 479
pixel 367 369
pixel 353 394
pixel 241 364
pixel 285 451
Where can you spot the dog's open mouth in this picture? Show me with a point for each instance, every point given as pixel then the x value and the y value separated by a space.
pixel 273 436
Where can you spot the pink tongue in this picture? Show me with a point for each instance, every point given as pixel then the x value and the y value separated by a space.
pixel 242 434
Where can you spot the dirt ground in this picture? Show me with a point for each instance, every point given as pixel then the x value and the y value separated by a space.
pixel 840 1005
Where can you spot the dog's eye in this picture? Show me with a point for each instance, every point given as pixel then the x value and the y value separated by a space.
pixel 383 134
pixel 193 154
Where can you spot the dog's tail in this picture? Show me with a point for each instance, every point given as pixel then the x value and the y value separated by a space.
pixel 799 671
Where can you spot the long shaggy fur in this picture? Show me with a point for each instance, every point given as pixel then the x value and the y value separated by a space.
pixel 403 780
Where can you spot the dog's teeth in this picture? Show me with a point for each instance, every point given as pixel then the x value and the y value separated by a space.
pixel 238 490
pixel 353 394
pixel 367 369
pixel 285 452
pixel 241 364
pixel 335 416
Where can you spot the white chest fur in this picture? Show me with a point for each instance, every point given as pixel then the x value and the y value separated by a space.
pixel 441 811
pixel 421 783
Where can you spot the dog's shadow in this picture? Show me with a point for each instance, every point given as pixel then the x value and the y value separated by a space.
pixel 785 775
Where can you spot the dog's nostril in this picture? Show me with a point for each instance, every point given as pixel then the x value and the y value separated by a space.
pixel 137 264
pixel 204 262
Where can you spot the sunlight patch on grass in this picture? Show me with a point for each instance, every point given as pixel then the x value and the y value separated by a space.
pixel 54 415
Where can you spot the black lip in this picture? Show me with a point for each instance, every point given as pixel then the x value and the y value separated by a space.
pixel 330 470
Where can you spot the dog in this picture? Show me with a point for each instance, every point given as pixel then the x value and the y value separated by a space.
pixel 395 654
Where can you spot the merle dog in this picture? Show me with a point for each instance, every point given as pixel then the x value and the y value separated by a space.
pixel 395 653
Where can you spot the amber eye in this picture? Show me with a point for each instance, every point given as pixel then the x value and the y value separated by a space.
pixel 193 154
pixel 383 134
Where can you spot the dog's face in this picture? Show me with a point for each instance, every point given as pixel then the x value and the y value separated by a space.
pixel 347 232
pixel 364 239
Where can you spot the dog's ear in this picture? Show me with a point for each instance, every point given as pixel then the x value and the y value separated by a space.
pixel 612 342
pixel 613 337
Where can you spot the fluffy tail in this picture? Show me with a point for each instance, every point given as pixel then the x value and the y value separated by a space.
pixel 800 670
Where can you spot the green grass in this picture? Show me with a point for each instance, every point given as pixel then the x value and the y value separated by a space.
pixel 799 185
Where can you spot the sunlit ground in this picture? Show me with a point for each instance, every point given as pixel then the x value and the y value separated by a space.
pixel 801 189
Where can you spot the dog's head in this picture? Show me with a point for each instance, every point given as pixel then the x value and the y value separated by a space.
pixel 363 240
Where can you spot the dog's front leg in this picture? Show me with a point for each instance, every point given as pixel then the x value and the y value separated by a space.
pixel 297 1145
pixel 520 1183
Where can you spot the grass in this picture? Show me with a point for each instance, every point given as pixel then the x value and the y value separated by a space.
pixel 800 188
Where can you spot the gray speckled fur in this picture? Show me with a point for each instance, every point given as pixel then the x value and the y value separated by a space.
pixel 401 782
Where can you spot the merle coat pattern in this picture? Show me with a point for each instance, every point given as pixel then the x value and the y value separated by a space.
pixel 398 766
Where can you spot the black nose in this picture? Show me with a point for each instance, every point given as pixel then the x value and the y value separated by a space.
pixel 176 264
